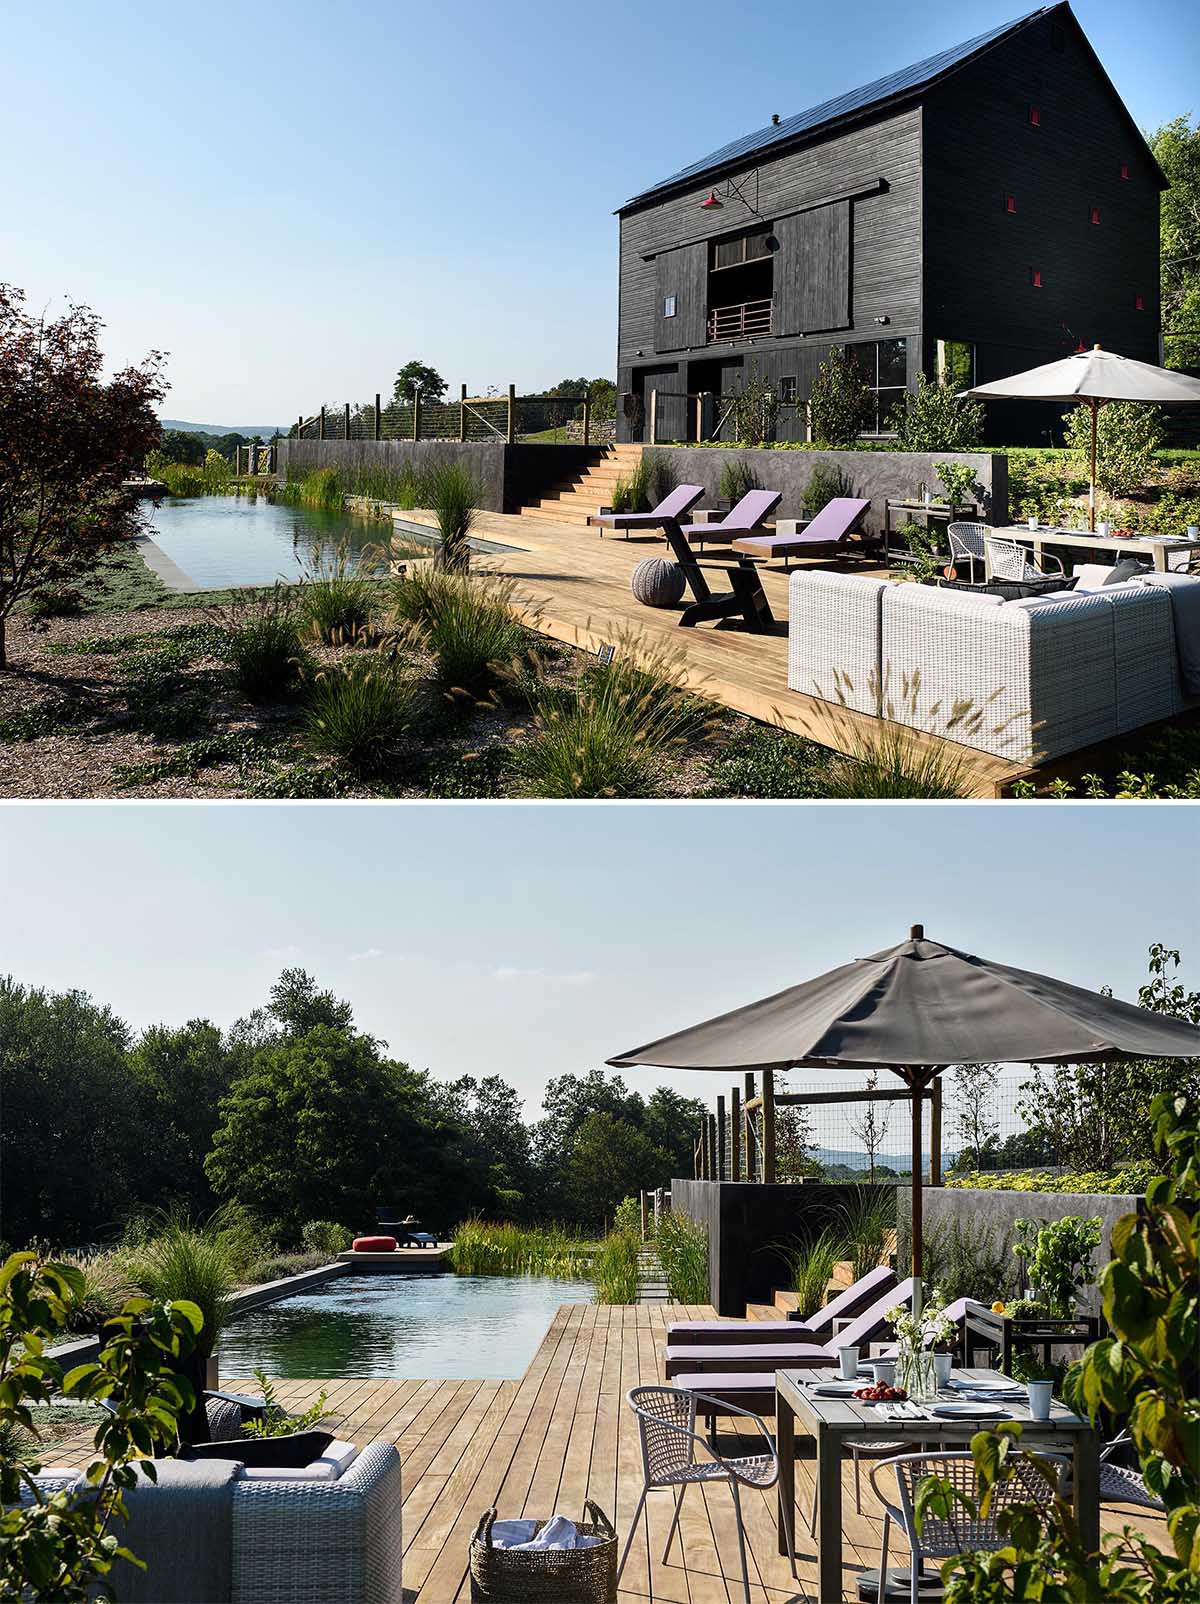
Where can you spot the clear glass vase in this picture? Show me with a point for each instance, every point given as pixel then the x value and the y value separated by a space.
pixel 915 1372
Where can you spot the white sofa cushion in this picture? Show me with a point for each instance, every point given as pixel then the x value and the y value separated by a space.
pixel 834 636
pixel 327 1467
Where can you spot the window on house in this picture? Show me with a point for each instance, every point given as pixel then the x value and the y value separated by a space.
pixel 1010 203
pixel 1035 277
pixel 1139 303
pixel 884 367
pixel 1035 116
pixel 738 251
pixel 1095 214
pixel 787 389
pixel 669 306
pixel 956 364
pixel 1124 169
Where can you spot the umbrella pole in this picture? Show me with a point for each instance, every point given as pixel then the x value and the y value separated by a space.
pixel 1092 485
pixel 917 1086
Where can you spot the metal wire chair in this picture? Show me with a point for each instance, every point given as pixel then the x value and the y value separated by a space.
pixel 667 1430
pixel 967 546
pixel 960 1532
pixel 1009 559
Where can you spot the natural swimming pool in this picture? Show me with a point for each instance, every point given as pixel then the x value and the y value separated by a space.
pixel 221 542
pixel 404 1326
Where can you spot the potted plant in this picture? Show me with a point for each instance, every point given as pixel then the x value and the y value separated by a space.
pixel 917 1338
pixel 1058 1259
pixel 959 480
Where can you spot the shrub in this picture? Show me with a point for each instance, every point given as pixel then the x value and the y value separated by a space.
pixel 326 1238
pixel 840 403
pixel 766 762
pixel 1127 436
pixel 453 496
pixel 102 1292
pixel 737 477
pixel 631 491
pixel 660 476
pixel 182 479
pixel 616 1268
pixel 467 623
pixel 338 599
pixel 963 1259
pixel 323 487
pixel 889 759
pixel 55 601
pixel 683 1254
pixel 628 1215
pixel 187 1261
pixel 869 1227
pixel 611 737
pixel 934 419
pixel 360 710
pixel 277 1266
pixel 825 484
pixel 959 480
pixel 264 646
pixel 811 1265
pixel 754 406
pixel 484 1247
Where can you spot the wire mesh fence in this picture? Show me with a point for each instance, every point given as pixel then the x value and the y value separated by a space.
pixel 552 419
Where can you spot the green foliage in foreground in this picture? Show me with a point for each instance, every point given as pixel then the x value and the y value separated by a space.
pixel 615 1271
pixel 360 710
pixel 1145 1372
pixel 59 1549
pixel 275 1421
pixel 683 1253
pixel 486 1247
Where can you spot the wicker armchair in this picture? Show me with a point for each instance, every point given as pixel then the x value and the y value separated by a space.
pixel 960 1532
pixel 967 546
pixel 1009 559
pixel 666 1419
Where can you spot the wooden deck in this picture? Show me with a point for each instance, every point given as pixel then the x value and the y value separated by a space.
pixel 573 585
pixel 562 1433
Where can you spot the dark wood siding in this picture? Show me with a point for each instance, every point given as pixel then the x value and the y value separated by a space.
pixel 981 147
pixel 885 264
pixel 812 270
pixel 681 273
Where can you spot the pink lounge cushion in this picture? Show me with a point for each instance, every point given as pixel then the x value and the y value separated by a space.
pixel 754 1358
pixel 374 1244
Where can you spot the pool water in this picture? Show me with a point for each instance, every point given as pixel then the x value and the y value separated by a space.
pixel 229 541
pixel 403 1325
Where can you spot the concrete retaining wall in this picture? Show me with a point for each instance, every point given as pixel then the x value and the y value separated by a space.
pixel 879 475
pixel 748 1225
pixel 1001 1210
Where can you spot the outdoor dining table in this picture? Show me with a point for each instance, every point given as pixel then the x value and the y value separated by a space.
pixel 1156 547
pixel 831 1421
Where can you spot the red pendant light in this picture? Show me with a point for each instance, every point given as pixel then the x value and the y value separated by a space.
pixel 712 204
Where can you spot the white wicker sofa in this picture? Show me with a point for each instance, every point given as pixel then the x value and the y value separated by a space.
pixel 299 1540
pixel 1045 675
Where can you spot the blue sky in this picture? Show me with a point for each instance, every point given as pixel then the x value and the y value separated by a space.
pixel 293 201
pixel 533 940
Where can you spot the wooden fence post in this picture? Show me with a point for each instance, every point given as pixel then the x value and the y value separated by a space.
pixel 512 414
pixel 322 423
pixel 720 1138
pixel 935 1132
pixel 751 1137
pixel 462 414
pixel 768 1101
pixel 417 413
pixel 735 1134
pixel 300 427
pixel 378 418
pixel 711 1121
pixel 346 421
pixel 587 417
pixel 645 1212
pixel 653 417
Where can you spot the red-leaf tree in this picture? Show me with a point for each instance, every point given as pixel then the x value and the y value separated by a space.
pixel 68 442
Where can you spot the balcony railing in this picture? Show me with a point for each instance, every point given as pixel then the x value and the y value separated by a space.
pixel 747 321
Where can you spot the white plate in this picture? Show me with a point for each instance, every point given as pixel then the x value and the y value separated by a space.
pixel 968 1411
pixel 834 1389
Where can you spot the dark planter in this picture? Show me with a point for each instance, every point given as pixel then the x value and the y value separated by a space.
pixel 293 1452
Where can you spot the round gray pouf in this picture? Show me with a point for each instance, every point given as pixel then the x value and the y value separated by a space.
pixel 657 583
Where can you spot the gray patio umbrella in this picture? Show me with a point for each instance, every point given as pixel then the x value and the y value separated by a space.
pixel 915 1009
pixel 1094 376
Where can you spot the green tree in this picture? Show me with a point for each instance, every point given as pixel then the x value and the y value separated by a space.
pixel 1176 146
pixel 974 1090
pixel 610 1159
pixel 183 1073
pixel 670 1123
pixel 433 386
pixel 322 1127
pixel 72 1140
pixel 840 403
pixel 179 446
pixel 1127 436
pixel 494 1137
pixel 935 419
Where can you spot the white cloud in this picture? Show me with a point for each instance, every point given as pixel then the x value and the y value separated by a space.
pixel 567 977
pixel 365 955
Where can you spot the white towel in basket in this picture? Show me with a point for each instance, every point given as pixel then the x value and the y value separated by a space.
pixel 559 1532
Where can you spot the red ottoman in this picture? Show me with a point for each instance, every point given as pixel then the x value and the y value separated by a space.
pixel 374 1244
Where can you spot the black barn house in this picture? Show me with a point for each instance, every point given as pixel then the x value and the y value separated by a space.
pixel 978 213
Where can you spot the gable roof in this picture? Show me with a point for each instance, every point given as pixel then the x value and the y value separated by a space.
pixel 895 87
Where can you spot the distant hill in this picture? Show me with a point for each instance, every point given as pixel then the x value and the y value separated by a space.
pixel 843 1158
pixel 248 429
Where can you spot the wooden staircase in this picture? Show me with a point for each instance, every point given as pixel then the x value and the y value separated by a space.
pixel 578 496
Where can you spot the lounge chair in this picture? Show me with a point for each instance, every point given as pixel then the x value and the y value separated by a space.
pixel 746 598
pixel 724 1368
pixel 669 510
pixel 831 531
pixel 848 1303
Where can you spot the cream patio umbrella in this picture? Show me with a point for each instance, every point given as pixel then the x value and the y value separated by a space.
pixel 1094 376
pixel 914 1009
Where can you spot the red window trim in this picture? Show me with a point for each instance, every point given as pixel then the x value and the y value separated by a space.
pixel 1139 303
pixel 1035 115
pixel 1124 169
pixel 1010 204
pixel 1094 214
pixel 1035 278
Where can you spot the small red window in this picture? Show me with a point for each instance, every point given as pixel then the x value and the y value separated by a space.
pixel 1010 203
pixel 1139 303
pixel 1095 214
pixel 1124 169
pixel 1035 277
pixel 1035 116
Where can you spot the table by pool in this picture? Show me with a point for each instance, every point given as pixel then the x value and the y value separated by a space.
pixel 1087 540
pixel 832 1420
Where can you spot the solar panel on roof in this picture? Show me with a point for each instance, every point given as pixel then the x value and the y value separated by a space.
pixel 887 88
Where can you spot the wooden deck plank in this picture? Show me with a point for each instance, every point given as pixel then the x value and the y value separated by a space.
pixel 539 1444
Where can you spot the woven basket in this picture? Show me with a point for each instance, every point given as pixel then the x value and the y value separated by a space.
pixel 554 1575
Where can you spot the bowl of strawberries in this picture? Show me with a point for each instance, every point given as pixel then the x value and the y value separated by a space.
pixel 881 1392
